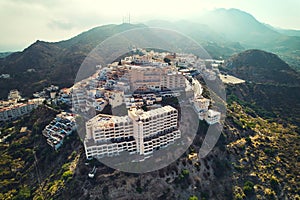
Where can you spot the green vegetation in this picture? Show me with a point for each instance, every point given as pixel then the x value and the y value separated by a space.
pixel 274 182
pixel 256 156
pixel 193 197
pixel 24 193
pixel 248 188
pixel 266 151
pixel 28 155
pixel 139 189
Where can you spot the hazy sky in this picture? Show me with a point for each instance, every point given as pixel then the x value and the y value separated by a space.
pixel 25 21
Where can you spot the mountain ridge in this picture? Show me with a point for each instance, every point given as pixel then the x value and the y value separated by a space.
pixel 262 67
pixel 58 62
pixel 53 62
pixel 272 87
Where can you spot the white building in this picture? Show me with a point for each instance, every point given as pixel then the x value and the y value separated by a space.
pixel 16 110
pixel 173 80
pixel 201 105
pixel 155 78
pixel 4 76
pixel 62 126
pixel 37 101
pixel 212 117
pixel 115 98
pixel 14 95
pixel 123 86
pixel 139 132
pixel 52 94
pixel 99 104
pixel 197 88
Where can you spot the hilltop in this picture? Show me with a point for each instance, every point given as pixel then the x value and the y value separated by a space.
pixel 255 156
pixel 262 67
pixel 272 87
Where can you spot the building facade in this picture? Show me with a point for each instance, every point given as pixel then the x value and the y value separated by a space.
pixel 201 105
pixel 14 95
pixel 155 78
pixel 212 117
pixel 16 110
pixel 139 132
pixel 173 80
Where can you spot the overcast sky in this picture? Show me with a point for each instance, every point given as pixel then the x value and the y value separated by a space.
pixel 25 21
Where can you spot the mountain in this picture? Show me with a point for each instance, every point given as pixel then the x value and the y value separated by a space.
pixel 214 43
pixel 237 25
pixel 256 156
pixel 222 32
pixel 288 32
pixel 269 99
pixel 45 63
pixel 272 87
pixel 4 54
pixel 262 67
pixel 226 31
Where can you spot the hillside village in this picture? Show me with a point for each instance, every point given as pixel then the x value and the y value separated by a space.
pixel 188 177
pixel 140 82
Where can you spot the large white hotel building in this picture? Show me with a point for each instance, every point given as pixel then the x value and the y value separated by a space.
pixel 139 132
pixel 156 78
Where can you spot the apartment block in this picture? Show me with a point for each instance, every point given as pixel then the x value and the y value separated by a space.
pixel 139 132
pixel 155 78
pixel 173 80
pixel 201 105
pixel 15 110
pixel 212 117
pixel 60 127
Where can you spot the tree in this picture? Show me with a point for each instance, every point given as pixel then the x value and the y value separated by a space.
pixel 193 197
pixel 248 188
pixel 24 193
pixel 167 60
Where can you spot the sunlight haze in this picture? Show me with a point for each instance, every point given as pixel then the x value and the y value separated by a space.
pixel 24 22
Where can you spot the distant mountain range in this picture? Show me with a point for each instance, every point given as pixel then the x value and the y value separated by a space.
pixel 53 63
pixel 288 32
pixel 4 54
pixel 233 30
pixel 221 32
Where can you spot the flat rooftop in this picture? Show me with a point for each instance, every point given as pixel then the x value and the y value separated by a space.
pixel 231 79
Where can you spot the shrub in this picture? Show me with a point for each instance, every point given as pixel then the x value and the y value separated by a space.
pixel 248 188
pixel 139 190
pixel 193 197
pixel 274 183
pixel 67 174
pixel 185 172
pixel 269 194
pixel 24 193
